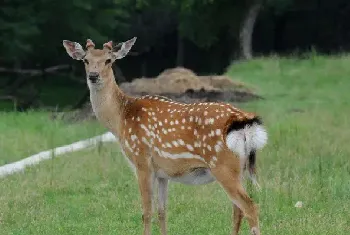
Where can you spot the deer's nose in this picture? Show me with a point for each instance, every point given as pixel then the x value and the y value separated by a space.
pixel 93 76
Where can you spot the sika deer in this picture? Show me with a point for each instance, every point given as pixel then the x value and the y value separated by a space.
pixel 166 140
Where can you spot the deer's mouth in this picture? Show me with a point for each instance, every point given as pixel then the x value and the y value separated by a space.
pixel 93 79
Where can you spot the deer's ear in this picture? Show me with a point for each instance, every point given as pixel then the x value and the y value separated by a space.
pixel 74 49
pixel 124 49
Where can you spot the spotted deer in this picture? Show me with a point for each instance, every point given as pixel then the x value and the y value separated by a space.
pixel 166 140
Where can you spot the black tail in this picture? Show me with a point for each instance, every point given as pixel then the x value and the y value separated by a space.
pixel 251 162
pixel 252 168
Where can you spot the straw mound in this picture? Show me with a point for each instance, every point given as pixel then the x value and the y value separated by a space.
pixel 180 80
pixel 177 80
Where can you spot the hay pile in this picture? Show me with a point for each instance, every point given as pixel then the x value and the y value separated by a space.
pixel 182 85
pixel 180 80
pixel 177 80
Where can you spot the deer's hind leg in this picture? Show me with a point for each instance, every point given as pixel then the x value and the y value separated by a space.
pixel 162 201
pixel 237 219
pixel 227 173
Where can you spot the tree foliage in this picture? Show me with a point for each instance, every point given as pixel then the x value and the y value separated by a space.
pixel 31 31
pixel 36 28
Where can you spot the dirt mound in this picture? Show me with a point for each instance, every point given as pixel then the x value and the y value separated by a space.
pixel 223 82
pixel 182 85
pixel 177 80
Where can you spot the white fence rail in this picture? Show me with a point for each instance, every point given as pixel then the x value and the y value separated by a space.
pixel 14 167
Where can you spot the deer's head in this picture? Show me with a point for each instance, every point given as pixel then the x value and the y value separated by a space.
pixel 98 62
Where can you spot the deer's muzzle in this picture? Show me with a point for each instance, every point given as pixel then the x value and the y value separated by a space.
pixel 93 76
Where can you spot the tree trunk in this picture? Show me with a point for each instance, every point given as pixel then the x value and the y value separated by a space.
pixel 246 32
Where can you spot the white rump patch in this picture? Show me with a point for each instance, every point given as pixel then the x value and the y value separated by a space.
pixel 242 142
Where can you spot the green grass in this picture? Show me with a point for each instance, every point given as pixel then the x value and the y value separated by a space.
pixel 24 134
pixel 306 110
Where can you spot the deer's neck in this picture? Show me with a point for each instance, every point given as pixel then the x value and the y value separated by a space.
pixel 108 103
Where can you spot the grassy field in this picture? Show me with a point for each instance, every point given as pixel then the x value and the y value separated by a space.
pixel 306 111
pixel 24 134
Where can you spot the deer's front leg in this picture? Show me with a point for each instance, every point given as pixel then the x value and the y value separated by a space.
pixel 145 180
pixel 162 201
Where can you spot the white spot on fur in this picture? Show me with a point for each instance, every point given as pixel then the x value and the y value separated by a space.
pixel 211 120
pixel 175 143
pixel 128 146
pixel 144 140
pixel 189 147
pixel 168 145
pixel 218 146
pixel 146 130
pixel 133 137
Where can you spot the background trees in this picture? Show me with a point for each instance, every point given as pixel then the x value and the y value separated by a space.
pixel 203 35
pixel 31 31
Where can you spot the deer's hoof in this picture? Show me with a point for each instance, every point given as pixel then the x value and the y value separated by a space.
pixel 255 231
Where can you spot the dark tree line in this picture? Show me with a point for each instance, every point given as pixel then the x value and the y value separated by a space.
pixel 203 35
pixel 31 31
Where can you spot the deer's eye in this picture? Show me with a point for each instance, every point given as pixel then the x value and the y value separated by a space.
pixel 108 61
pixel 86 61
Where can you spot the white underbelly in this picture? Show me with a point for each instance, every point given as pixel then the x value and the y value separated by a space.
pixel 196 177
